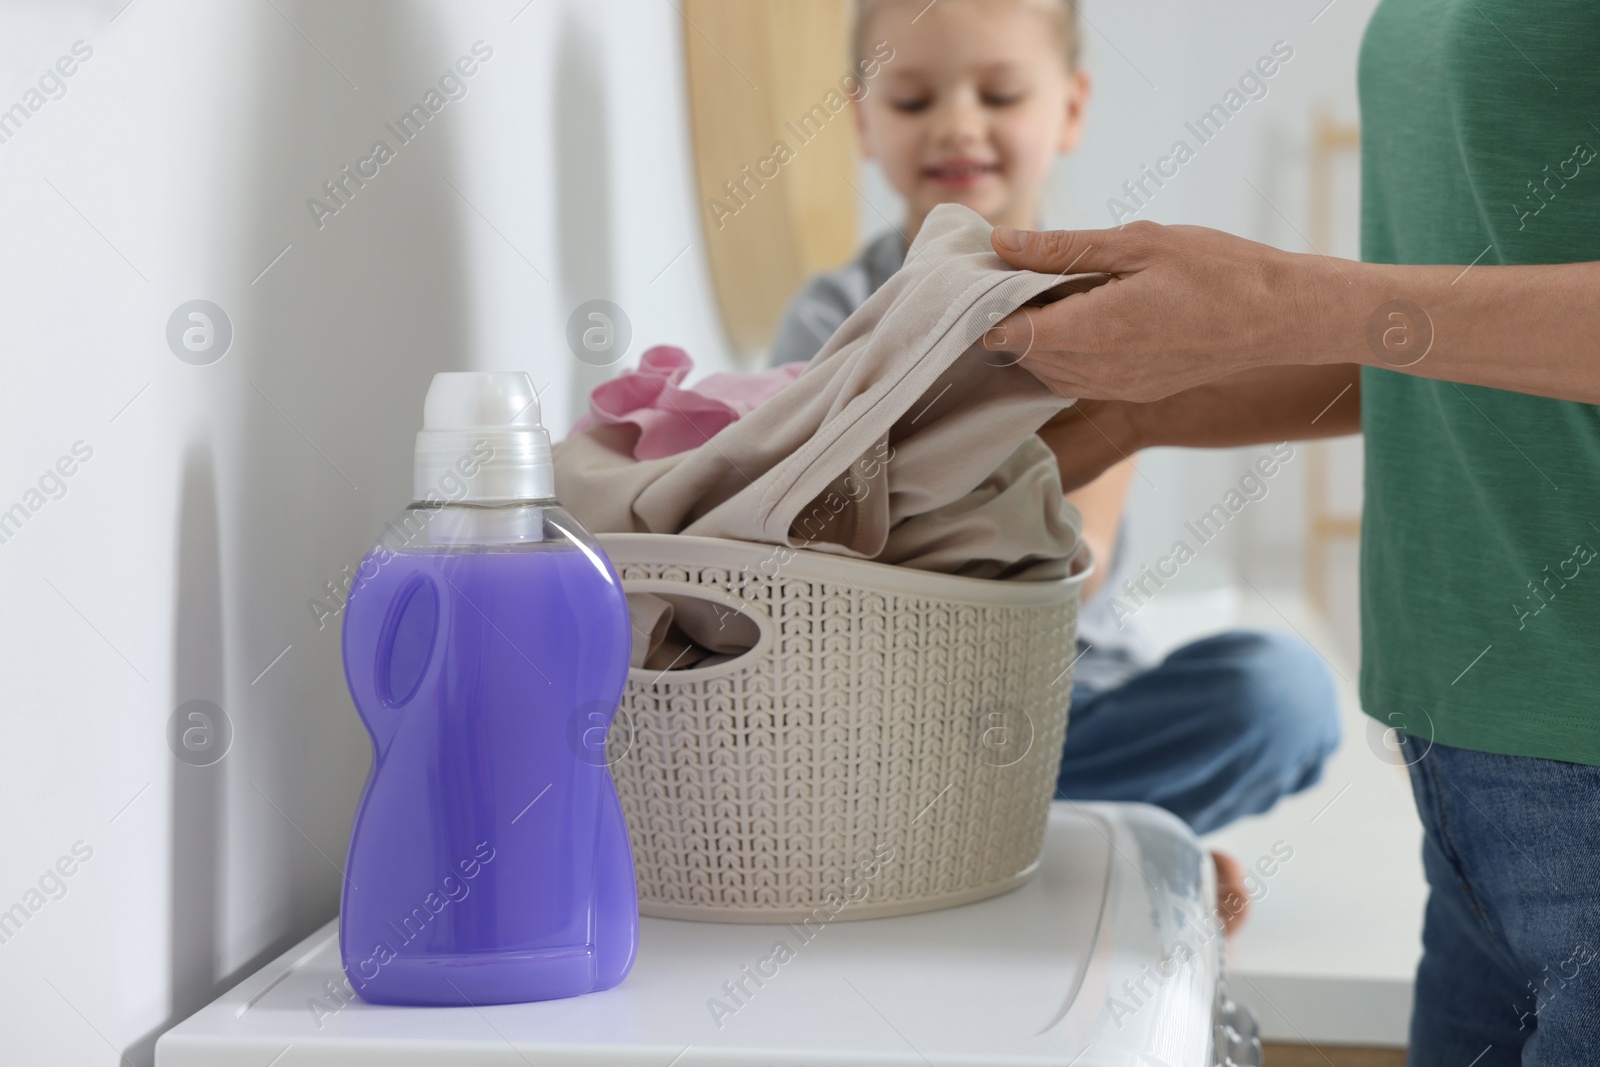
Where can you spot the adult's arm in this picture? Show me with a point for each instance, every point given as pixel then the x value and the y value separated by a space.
pixel 1186 305
pixel 1250 407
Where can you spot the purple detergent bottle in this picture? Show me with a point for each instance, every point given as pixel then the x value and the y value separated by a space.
pixel 486 645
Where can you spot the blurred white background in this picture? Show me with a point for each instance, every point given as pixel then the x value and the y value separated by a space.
pixel 181 560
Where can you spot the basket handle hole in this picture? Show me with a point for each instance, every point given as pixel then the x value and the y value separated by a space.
pixel 677 631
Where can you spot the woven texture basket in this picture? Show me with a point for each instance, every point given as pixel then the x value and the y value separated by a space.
pixel 889 745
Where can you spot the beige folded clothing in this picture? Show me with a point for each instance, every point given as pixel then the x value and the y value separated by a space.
pixel 901 442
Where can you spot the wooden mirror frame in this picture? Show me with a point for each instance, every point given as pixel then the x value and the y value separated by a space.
pixel 774 147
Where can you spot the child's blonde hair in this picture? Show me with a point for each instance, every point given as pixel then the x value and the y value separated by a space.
pixel 1063 16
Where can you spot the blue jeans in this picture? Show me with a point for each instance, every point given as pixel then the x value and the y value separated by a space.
pixel 1221 728
pixel 1510 971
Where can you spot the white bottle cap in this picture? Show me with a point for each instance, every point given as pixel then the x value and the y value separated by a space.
pixel 481 440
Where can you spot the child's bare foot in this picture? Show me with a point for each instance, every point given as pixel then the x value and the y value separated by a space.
pixel 1233 897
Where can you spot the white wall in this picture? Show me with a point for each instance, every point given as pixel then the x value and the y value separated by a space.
pixel 220 498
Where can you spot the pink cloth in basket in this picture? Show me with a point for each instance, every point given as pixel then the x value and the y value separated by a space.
pixel 671 418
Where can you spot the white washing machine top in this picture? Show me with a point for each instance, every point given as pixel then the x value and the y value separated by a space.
pixel 1107 957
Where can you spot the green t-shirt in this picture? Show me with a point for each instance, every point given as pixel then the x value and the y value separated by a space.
pixel 1480 555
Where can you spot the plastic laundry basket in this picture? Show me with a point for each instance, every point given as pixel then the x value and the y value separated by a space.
pixel 888 745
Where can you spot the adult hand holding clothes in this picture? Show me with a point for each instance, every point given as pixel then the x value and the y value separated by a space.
pixel 1183 305
pixel 1204 339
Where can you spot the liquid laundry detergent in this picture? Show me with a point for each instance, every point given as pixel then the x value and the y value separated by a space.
pixel 486 645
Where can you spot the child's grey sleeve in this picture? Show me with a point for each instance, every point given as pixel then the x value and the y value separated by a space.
pixel 810 319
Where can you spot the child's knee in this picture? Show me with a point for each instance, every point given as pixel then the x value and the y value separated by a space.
pixel 1284 695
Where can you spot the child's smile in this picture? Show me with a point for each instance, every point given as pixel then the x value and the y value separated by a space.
pixel 979 100
pixel 960 172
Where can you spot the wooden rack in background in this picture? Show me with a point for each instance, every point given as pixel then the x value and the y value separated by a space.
pixel 1329 140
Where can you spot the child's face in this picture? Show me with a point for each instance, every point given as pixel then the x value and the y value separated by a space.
pixel 974 106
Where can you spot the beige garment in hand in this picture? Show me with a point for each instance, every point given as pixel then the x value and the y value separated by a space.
pixel 901 442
